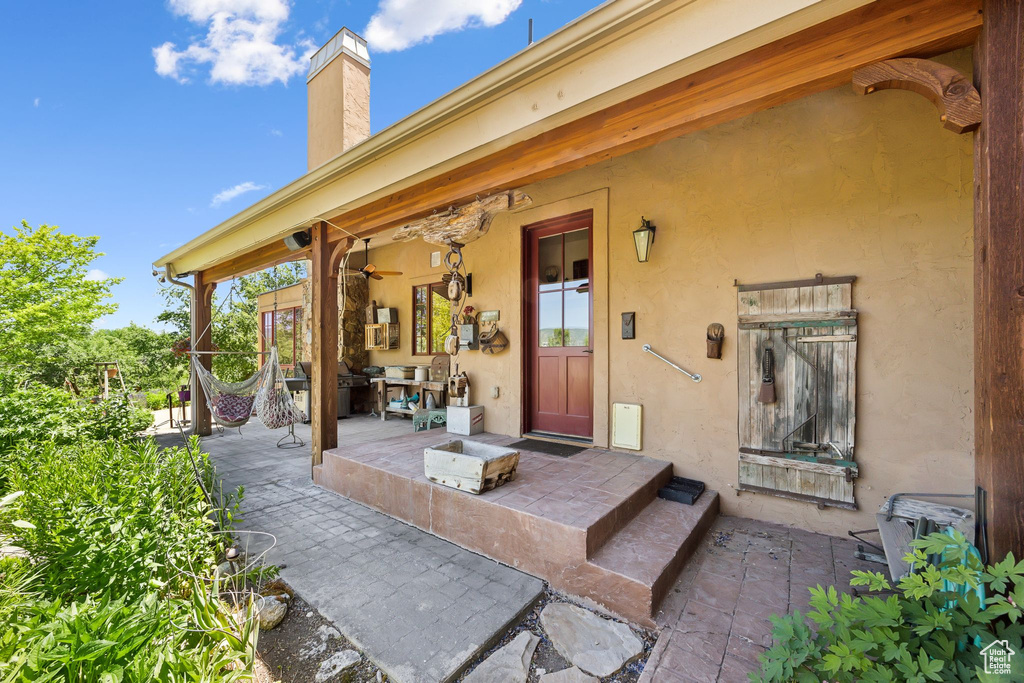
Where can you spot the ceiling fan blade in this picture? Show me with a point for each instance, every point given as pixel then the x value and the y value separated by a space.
pixel 369 268
pixel 375 276
pixel 388 272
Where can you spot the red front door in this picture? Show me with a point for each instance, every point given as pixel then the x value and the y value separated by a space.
pixel 559 326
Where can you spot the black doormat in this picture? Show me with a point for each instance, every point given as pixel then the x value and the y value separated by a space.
pixel 551 448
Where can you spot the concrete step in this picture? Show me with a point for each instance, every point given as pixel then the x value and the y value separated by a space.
pixel 644 558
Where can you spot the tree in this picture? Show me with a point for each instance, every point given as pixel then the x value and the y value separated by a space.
pixel 235 316
pixel 46 300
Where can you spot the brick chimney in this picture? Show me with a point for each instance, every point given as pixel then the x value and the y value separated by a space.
pixel 338 97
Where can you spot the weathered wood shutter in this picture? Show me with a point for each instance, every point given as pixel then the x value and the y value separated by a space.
pixel 801 446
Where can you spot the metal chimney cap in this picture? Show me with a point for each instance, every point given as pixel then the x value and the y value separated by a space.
pixel 344 41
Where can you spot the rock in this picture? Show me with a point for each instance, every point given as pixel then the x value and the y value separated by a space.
pixel 272 612
pixel 570 675
pixel 598 646
pixel 510 664
pixel 336 663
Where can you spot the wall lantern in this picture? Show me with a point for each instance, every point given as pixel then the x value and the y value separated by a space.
pixel 643 238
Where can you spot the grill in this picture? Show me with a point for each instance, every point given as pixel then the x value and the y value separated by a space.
pixel 347 380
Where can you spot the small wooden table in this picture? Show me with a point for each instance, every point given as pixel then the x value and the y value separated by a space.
pixel 383 384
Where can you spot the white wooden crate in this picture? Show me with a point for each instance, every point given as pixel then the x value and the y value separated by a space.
pixel 469 465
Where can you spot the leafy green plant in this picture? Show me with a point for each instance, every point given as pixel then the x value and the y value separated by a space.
pixel 105 526
pixel 933 627
pixel 38 414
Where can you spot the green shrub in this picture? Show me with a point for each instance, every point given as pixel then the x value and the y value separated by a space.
pixel 105 525
pixel 932 628
pixel 38 414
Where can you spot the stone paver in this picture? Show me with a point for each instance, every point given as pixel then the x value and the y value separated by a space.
pixel 715 620
pixel 596 645
pixel 509 664
pixel 419 607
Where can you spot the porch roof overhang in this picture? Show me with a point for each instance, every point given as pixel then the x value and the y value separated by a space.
pixel 627 75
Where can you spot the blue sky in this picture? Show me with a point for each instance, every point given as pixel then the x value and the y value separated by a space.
pixel 94 139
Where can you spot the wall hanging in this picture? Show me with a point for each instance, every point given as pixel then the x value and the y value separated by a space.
pixel 716 335
pixel 796 349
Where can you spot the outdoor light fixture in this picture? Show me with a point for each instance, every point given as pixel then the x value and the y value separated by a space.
pixel 298 240
pixel 643 238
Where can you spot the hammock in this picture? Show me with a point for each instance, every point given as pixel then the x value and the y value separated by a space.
pixel 264 394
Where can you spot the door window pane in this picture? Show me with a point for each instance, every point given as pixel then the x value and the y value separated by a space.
pixel 549 262
pixel 550 312
pixel 576 263
pixel 577 317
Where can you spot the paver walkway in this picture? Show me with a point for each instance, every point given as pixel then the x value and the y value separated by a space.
pixel 715 620
pixel 419 607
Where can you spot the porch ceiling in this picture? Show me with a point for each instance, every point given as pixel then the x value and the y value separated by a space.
pixel 663 85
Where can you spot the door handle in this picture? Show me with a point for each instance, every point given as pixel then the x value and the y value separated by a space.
pixel 588 350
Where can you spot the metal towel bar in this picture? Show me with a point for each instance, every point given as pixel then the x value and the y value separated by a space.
pixel 693 376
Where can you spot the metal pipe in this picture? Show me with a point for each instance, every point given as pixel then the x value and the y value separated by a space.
pixel 695 377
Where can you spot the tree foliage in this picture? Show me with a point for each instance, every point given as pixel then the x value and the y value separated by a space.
pixel 45 298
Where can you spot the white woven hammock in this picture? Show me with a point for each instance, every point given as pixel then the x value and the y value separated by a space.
pixel 263 395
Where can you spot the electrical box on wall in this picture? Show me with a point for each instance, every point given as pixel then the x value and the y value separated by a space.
pixel 627 426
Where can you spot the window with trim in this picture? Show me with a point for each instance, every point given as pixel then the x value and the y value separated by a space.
pixel 431 318
pixel 283 328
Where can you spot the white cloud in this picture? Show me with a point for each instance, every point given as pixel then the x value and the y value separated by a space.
pixel 95 275
pixel 240 46
pixel 399 24
pixel 276 133
pixel 35 102
pixel 236 191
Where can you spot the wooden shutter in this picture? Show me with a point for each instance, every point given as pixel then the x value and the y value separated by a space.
pixel 801 446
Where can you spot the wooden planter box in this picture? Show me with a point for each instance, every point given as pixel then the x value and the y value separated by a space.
pixel 469 465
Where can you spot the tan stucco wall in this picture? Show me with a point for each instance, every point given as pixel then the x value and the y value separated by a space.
pixel 338 109
pixel 835 183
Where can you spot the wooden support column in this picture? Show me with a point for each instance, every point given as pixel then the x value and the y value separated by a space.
pixel 999 275
pixel 324 302
pixel 202 312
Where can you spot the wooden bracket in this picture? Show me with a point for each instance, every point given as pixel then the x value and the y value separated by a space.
pixel 951 92
pixel 337 254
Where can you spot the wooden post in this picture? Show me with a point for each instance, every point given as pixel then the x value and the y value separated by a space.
pixel 202 340
pixel 999 275
pixel 324 302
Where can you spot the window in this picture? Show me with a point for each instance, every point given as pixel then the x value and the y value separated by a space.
pixel 283 328
pixel 432 319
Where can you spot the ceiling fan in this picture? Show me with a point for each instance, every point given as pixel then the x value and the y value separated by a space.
pixel 369 270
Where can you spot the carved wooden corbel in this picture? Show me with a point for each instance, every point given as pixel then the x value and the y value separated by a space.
pixel 951 92
pixel 463 223
pixel 338 254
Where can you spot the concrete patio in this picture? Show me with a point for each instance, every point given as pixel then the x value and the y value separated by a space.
pixel 399 594
pixel 402 595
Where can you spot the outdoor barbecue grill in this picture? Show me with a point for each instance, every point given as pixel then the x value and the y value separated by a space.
pixel 347 380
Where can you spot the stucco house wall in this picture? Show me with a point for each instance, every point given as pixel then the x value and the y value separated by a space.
pixel 835 183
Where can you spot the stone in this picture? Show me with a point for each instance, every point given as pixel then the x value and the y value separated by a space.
pixel 570 675
pixel 509 664
pixel 596 645
pixel 336 663
pixel 272 611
